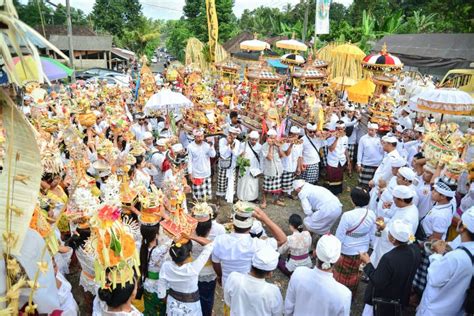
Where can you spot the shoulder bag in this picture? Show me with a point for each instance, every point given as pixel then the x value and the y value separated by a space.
pixel 469 300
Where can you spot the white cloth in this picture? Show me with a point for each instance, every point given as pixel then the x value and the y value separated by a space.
pixel 351 123
pixel 157 257
pixel 425 203
pixel 156 159
pixel 358 239
pixel 382 245
pixel 68 304
pixel 140 130
pixel 247 186
pixel 384 171
pixel 438 220
pixel 369 152
pixel 207 273
pixel 316 292
pixel 338 155
pixel 101 309
pixel 447 281
pixel 311 155
pixel 321 207
pixel 273 167
pixel 406 122
pixel 290 162
pixel 235 251
pixel 297 244
pixel 183 279
pixel 226 152
pixel 249 296
pixel 199 164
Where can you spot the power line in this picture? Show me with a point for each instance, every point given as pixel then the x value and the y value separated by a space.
pixel 161 7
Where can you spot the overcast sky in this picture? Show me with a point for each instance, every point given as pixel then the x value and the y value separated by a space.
pixel 172 9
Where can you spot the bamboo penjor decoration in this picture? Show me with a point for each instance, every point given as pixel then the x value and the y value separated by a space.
pixel 21 173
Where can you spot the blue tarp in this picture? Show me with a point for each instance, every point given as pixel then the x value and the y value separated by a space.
pixel 276 63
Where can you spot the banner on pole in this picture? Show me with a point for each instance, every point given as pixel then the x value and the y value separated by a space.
pixel 322 16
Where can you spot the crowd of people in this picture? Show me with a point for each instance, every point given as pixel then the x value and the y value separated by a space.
pixel 409 232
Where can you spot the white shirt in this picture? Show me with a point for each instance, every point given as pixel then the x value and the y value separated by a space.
pixel 447 281
pixel 183 278
pixel 199 165
pixel 338 155
pixel 156 159
pixel 140 130
pixel 311 155
pixel 369 152
pixel 351 123
pixel 290 162
pixel 297 244
pixel 321 207
pixel 225 150
pixel 358 239
pixel 438 219
pixel 248 154
pixel 207 273
pixel 316 292
pixel 384 171
pixel 235 251
pixel 405 122
pixel 425 203
pixel 250 296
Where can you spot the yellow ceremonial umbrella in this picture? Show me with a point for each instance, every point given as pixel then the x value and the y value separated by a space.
pixel 361 91
pixel 344 54
pixel 343 81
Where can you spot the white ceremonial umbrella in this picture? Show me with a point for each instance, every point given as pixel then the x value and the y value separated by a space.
pixel 444 101
pixel 166 100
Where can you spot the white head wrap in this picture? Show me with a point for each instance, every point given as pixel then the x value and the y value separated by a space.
pixel 403 192
pixel 390 139
pixel 444 189
pixel 298 184
pixel 161 142
pixel 147 135
pixel 176 148
pixel 328 250
pixel 294 130
pixel 400 230
pixel 272 132
pixel 234 130
pixel 244 223
pixel 265 258
pixel 254 135
pixel 311 127
pixel 373 126
pixel 397 162
pixel 407 173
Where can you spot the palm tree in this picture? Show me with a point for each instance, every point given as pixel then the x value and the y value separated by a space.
pixel 423 23
pixel 367 30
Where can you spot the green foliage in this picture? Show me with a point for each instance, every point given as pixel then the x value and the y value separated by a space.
pixel 116 16
pixel 143 39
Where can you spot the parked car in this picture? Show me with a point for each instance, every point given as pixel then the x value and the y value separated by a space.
pixel 94 72
pixel 120 76
pixel 154 59
pixel 111 81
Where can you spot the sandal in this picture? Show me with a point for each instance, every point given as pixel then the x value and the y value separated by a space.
pixel 263 205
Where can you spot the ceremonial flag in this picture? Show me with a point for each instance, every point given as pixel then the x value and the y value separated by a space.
pixel 322 16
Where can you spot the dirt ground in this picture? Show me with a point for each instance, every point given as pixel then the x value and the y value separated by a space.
pixel 279 215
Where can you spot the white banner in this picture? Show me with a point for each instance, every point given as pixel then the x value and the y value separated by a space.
pixel 322 16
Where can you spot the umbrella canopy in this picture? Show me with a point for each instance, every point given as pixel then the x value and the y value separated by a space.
pixel 292 59
pixel 254 45
pixel 166 100
pixel 361 91
pixel 292 44
pixel 348 50
pixel 28 69
pixel 382 60
pixel 444 101
pixel 344 81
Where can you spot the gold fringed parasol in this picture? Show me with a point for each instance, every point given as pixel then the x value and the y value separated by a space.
pixel 361 91
pixel 254 44
pixel 345 60
pixel 292 44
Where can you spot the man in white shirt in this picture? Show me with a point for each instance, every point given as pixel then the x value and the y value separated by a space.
pixel 351 120
pixel 315 291
pixel 140 127
pixel 234 251
pixel 383 173
pixel 292 161
pixel 423 190
pixel 247 186
pixel 249 294
pixel 311 146
pixel 199 166
pixel 157 158
pixel 449 276
pixel 404 210
pixel 337 158
pixel 369 154
pixel 272 169
pixel 321 207
pixel 229 150
pixel 404 118
pixel 355 231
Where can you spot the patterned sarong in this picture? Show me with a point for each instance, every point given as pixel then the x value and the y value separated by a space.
pixel 311 174
pixel 287 179
pixel 272 184
pixel 366 174
pixel 346 271
pixel 419 282
pixel 203 190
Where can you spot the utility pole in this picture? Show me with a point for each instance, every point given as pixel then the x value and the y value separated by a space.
pixel 305 22
pixel 69 35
